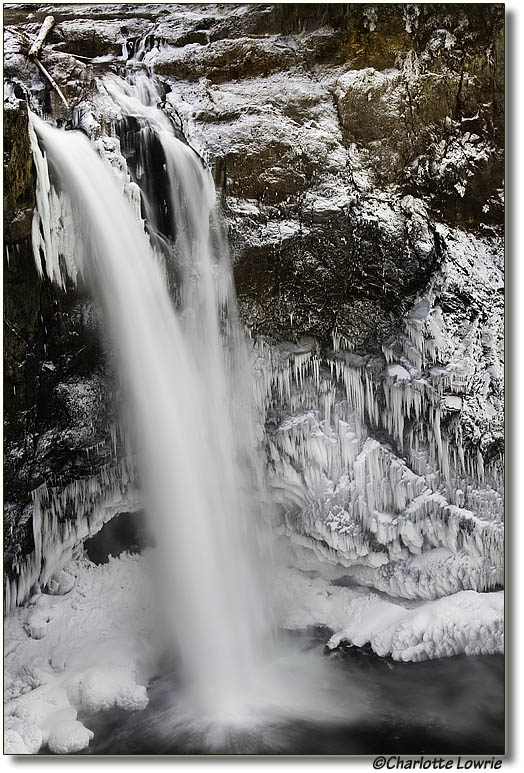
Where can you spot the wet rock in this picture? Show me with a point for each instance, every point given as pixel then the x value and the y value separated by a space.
pixel 103 38
pixel 226 60
pixel 18 172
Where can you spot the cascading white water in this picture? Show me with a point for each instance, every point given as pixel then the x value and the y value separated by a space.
pixel 184 394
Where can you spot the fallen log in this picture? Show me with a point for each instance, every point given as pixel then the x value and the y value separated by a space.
pixel 53 83
pixel 77 56
pixel 45 29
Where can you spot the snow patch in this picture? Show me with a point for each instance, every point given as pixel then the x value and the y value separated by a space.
pixel 95 655
pixel 468 622
pixel 69 737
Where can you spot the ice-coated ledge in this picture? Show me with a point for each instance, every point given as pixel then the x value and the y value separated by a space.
pixel 467 622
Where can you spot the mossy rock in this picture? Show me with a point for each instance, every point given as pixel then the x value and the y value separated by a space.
pixel 19 180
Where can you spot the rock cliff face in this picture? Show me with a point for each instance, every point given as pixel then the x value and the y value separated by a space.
pixel 358 153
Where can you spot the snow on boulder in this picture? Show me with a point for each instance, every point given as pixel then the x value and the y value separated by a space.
pixel 30 735
pixel 60 583
pixel 44 610
pixel 398 372
pixel 133 697
pixel 452 402
pixel 466 622
pixel 100 690
pixel 69 737
pixel 13 744
pixel 37 705
pixel 36 625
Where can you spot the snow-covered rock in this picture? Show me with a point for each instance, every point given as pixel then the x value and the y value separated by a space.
pixel 69 737
pixel 96 655
pixel 467 622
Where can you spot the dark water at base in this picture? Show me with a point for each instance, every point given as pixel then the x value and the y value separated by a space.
pixel 446 706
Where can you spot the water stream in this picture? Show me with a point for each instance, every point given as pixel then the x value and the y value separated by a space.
pixel 180 364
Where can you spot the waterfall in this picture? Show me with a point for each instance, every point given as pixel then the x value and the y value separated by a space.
pixel 182 359
pixel 184 366
pixel 132 215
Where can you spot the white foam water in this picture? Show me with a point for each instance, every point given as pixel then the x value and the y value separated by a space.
pixel 193 435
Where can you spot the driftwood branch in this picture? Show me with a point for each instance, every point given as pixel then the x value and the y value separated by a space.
pixel 35 49
pixel 53 83
pixel 77 56
pixel 23 37
pixel 45 29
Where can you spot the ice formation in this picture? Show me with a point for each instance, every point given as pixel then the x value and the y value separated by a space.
pixel 465 623
pixel 366 455
pixel 93 501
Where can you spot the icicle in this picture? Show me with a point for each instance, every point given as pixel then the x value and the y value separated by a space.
pixel 64 516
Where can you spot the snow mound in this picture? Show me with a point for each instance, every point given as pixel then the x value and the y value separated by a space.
pixel 69 737
pixel 85 651
pixel 100 690
pixel 13 743
pixel 467 622
pixel 19 735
